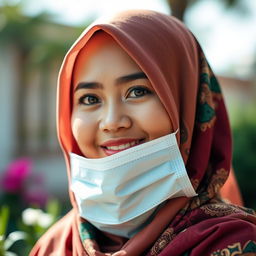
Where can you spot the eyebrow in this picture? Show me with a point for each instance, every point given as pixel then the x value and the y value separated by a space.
pixel 120 80
pixel 131 77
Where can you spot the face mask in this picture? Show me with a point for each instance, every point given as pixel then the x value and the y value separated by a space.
pixel 119 193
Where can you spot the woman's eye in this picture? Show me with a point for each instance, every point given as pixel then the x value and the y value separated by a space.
pixel 137 92
pixel 89 100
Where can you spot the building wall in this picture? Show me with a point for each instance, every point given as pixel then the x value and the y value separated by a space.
pixel 8 104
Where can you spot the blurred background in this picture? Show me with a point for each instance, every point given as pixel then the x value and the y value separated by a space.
pixel 34 37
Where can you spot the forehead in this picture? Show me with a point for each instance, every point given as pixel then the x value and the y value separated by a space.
pixel 97 43
pixel 103 54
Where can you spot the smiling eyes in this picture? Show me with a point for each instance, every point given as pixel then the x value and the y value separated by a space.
pixel 133 93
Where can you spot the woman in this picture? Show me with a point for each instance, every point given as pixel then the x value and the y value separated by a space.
pixel 129 87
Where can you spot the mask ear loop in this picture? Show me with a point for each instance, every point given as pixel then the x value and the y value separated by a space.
pixel 175 133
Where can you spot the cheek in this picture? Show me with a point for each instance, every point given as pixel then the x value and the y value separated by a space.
pixel 154 119
pixel 83 129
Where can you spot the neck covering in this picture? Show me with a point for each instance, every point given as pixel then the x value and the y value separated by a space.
pixel 175 64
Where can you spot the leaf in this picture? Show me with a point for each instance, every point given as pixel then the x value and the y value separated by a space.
pixel 4 218
pixel 14 237
pixel 53 208
pixel 10 254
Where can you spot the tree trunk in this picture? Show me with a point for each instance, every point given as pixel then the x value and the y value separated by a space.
pixel 178 8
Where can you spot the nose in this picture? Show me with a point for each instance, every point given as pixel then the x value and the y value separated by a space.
pixel 114 118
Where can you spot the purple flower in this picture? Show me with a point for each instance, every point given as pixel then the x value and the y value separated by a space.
pixel 16 174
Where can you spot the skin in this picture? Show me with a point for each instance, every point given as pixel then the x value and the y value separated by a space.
pixel 111 110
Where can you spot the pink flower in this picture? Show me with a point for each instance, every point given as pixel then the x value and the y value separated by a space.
pixel 35 192
pixel 18 179
pixel 16 174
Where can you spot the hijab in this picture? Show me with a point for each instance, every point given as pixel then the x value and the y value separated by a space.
pixel 175 64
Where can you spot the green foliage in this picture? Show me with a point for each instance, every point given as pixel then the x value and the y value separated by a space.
pixel 32 223
pixel 7 240
pixel 53 208
pixel 17 28
pixel 32 35
pixel 244 154
pixel 4 217
pixel 35 222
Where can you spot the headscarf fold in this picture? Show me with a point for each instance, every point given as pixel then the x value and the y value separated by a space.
pixel 176 66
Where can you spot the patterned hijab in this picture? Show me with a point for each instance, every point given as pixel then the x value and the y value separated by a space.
pixel 174 63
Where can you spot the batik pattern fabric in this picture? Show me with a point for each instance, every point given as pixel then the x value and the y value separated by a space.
pixel 207 225
pixel 207 230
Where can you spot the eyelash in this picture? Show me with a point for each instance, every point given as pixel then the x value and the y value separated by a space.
pixel 88 96
pixel 143 89
pixel 130 91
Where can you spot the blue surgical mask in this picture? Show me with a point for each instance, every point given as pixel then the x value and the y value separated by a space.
pixel 119 193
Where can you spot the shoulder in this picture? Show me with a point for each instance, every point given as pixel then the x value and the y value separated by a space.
pixel 226 235
pixel 212 236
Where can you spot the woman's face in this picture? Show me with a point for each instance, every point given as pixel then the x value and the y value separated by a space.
pixel 114 104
